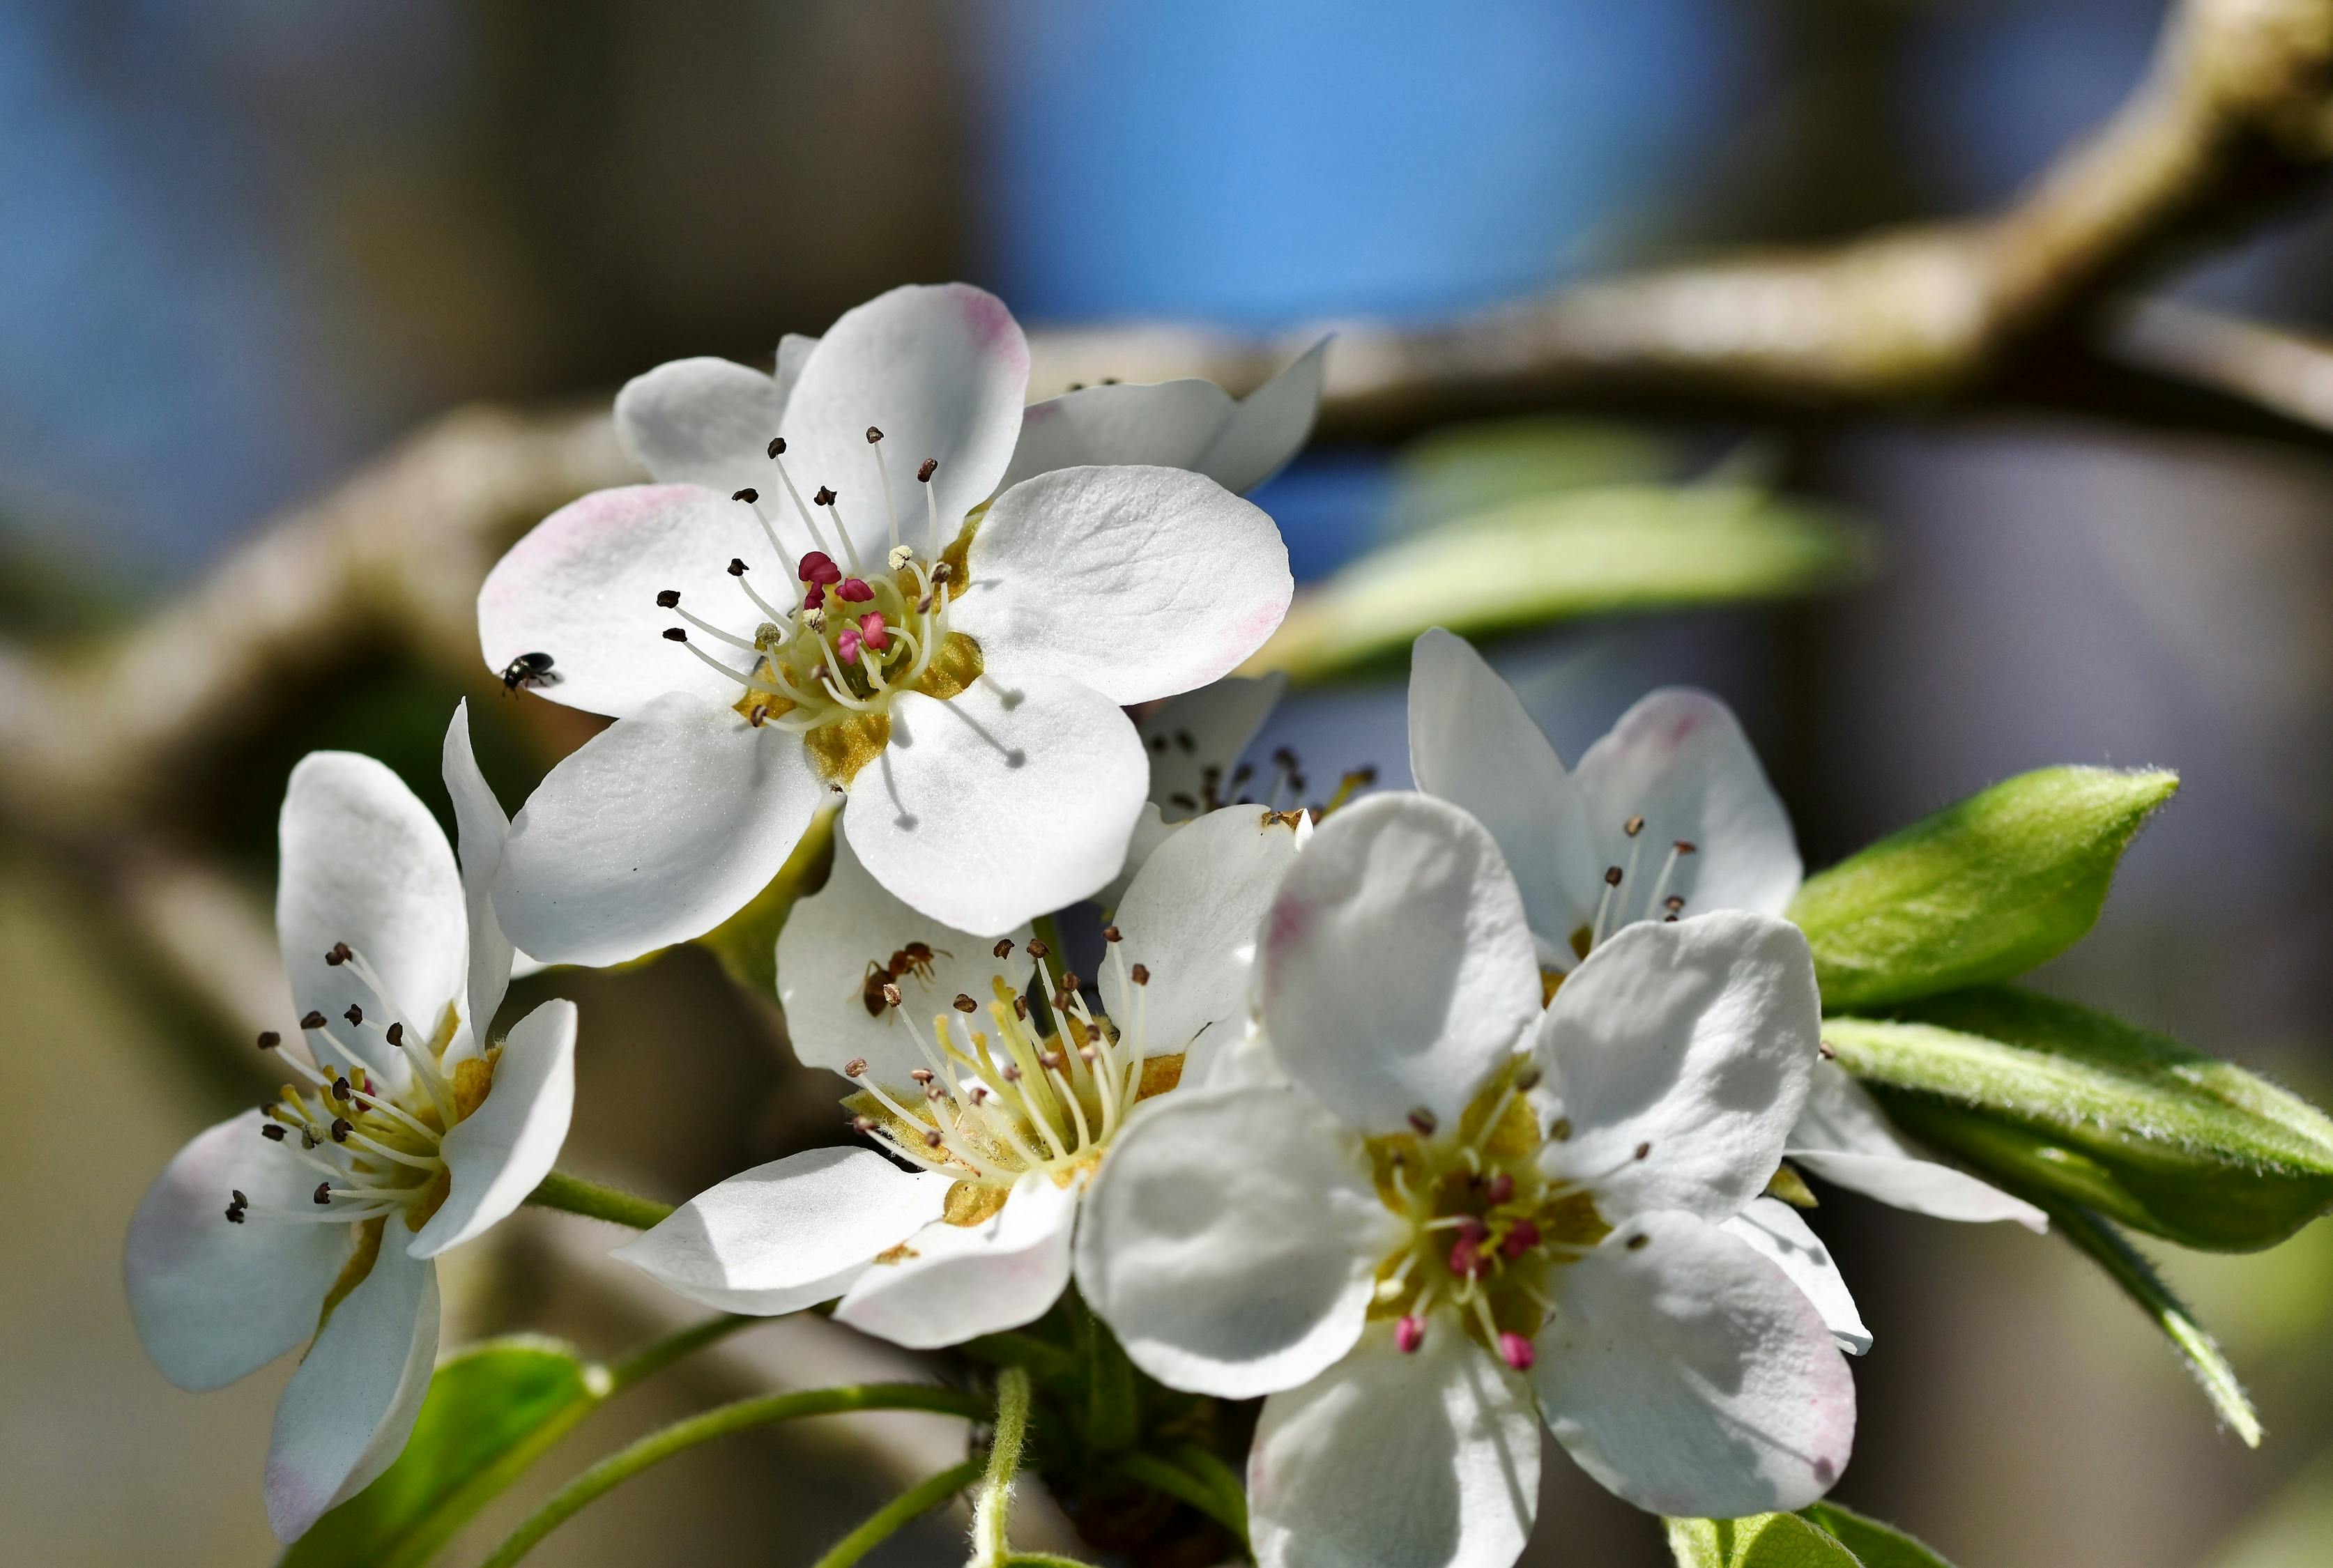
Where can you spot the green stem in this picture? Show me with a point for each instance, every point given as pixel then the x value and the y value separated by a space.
pixel 576 1196
pixel 1161 1475
pixel 1048 1362
pixel 1112 1412
pixel 719 1422
pixel 658 1354
pixel 992 1514
pixel 929 1493
pixel 2131 1269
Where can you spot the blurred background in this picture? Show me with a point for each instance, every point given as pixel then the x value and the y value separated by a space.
pixel 245 247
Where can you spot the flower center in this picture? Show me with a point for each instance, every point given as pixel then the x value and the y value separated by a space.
pixel 376 1152
pixel 992 1105
pixel 852 636
pixel 1484 1224
pixel 1628 898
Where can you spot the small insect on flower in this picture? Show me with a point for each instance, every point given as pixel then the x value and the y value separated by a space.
pixel 914 959
pixel 531 671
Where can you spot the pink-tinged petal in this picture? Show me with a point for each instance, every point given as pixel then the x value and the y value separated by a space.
pixel 1232 1239
pixel 942 370
pixel 1693 1042
pixel 702 421
pixel 344 1417
pixel 823 958
pixel 656 830
pixel 213 1299
pixel 1679 760
pixel 1427 1458
pixel 1141 582
pixel 1472 744
pixel 1689 1375
pixel 789 1234
pixel 951 1282
pixel 582 587
pixel 1397 972
pixel 1012 799
pixel 364 863
pixel 503 1149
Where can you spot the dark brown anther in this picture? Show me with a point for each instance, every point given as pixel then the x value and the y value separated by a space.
pixel 234 1215
pixel 862 1125
pixel 1637 1243
pixel 1364 776
pixel 1686 847
pixel 777 447
pixel 1184 798
pixel 931 465
pixel 921 1075
pixel 339 1089
pixel 965 1004
pixel 943 572
pixel 674 635
pixel 1011 1073
pixel 748 495
pixel 1038 949
pixel 892 996
pixel 272 1132
pixel 854 1066
pixel 312 1019
pixel 1139 974
pixel 1052 1061
pixel 1672 903
pixel 825 497
pixel 873 436
pixel 668 598
pixel 1070 984
pixel 1829 1052
pixel 1111 933
pixel 1003 948
pixel 395 1034
pixel 737 565
pixel 759 716
pixel 1643 1150
pixel 1634 825
pixel 980 1094
pixel 1527 1081
pixel 1424 1121
pixel 269 1040
pixel 324 1194
pixel 1611 876
pixel 1021 1009
pixel 355 1014
pixel 342 1128
pixel 932 1140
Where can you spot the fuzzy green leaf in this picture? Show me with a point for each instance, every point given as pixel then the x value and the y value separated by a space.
pixel 2051 1097
pixel 492 1409
pixel 1759 1540
pixel 1560 556
pixel 1981 891
pixel 1875 1544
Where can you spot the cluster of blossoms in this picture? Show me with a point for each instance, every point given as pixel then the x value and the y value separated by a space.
pixel 1430 1119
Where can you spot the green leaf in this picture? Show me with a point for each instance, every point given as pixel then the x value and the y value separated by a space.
pixel 1759 1540
pixel 1468 468
pixel 492 1409
pixel 1981 891
pixel 1555 556
pixel 746 943
pixel 2051 1097
pixel 2137 1277
pixel 1875 1544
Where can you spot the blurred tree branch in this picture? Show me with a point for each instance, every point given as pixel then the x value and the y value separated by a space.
pixel 2021 309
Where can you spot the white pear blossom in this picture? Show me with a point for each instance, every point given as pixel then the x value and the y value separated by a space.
pixel 1196 742
pixel 1467 1214
pixel 402 1130
pixel 999 1123
pixel 1668 815
pixel 816 614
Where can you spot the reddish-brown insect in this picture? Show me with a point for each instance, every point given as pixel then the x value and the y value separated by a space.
pixel 914 959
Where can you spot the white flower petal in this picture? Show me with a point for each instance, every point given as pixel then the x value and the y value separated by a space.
pixel 1679 760
pixel 582 587
pixel 213 1300
pixel 793 353
pixel 1845 1138
pixel 957 1282
pixel 656 830
pixel 789 1234
pixel 502 1150
pixel 1158 423
pixel 1428 1459
pixel 1205 732
pixel 1140 582
pixel 1150 831
pixel 702 421
pixel 1472 744
pixel 1231 1239
pixel 1776 1233
pixel 479 828
pixel 1396 970
pixel 1690 1376
pixel 364 863
pixel 1270 425
pixel 941 369
pixel 1191 920
pixel 1695 1037
pixel 1014 797
pixel 345 1415
pixel 822 957
pixel 1239 1056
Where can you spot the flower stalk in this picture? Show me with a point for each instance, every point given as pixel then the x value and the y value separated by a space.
pixel 573 1195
